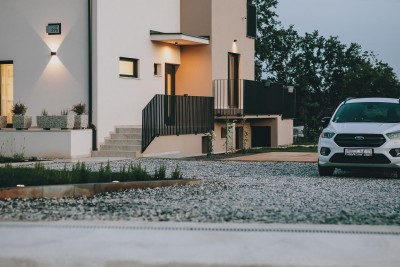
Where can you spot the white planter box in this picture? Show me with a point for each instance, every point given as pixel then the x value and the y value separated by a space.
pixel 3 121
pixel 81 122
pixel 61 121
pixel 21 122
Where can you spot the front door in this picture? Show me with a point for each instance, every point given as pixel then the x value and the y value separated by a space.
pixel 6 89
pixel 170 104
pixel 233 80
pixel 170 71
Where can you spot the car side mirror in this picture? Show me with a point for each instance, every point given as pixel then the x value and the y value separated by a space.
pixel 325 121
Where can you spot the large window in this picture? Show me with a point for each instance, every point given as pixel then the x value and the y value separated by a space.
pixel 251 21
pixel 6 89
pixel 128 67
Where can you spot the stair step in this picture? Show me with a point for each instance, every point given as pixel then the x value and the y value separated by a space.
pixel 128 130
pixel 125 136
pixel 121 142
pixel 112 153
pixel 128 148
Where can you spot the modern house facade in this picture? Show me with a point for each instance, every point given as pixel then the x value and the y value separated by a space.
pixel 156 76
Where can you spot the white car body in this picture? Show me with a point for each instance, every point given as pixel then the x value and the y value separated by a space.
pixel 368 144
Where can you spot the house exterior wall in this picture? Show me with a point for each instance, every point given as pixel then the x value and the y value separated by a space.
pixel 42 81
pixel 125 32
pixel 189 145
pixel 229 24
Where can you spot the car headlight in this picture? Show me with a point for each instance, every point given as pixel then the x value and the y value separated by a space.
pixel 393 135
pixel 328 135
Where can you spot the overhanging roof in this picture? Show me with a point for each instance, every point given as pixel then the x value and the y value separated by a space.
pixel 179 38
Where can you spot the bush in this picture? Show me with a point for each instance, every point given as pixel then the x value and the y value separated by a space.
pixel 19 109
pixel 11 176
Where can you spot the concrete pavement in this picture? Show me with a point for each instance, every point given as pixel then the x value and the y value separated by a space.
pixel 112 244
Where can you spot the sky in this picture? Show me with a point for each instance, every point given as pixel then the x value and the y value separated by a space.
pixel 374 24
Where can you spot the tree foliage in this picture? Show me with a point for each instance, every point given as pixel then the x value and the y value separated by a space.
pixel 324 70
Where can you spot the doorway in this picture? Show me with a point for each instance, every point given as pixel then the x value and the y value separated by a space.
pixel 170 101
pixel 261 136
pixel 6 89
pixel 239 138
pixel 233 80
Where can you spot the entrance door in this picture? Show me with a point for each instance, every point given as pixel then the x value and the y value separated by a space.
pixel 170 71
pixel 170 101
pixel 233 80
pixel 239 137
pixel 6 89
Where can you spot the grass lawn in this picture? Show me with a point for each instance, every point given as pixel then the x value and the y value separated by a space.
pixel 281 149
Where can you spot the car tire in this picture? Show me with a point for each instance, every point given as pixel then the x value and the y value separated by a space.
pixel 325 171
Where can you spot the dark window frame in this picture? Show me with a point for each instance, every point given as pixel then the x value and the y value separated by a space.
pixel 135 66
pixel 251 21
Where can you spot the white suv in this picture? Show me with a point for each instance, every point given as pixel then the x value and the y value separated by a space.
pixel 363 133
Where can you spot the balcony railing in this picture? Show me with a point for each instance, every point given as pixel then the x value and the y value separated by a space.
pixel 175 115
pixel 244 97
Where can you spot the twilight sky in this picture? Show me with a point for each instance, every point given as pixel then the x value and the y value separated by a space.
pixel 374 24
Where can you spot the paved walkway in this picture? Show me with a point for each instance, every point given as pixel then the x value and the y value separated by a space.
pixel 279 157
pixel 122 244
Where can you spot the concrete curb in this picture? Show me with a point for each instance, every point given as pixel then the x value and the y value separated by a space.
pixel 76 190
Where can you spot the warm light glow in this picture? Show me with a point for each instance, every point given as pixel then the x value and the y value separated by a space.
pixel 168 54
pixel 234 48
pixel 7 90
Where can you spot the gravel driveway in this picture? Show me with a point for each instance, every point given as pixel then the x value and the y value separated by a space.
pixel 260 192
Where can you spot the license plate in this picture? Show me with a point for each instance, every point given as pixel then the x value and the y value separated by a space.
pixel 359 152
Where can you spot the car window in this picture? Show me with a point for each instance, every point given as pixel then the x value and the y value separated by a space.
pixel 368 112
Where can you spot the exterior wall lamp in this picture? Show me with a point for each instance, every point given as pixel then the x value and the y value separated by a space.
pixel 53 53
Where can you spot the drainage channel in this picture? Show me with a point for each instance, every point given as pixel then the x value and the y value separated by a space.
pixel 203 229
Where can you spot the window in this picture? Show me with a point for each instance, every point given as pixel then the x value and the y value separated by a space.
pixel 6 89
pixel 128 67
pixel 157 69
pixel 251 21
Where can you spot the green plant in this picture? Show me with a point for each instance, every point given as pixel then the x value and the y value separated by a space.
pixel 44 112
pixel 64 112
pixel 160 173
pixel 210 146
pixel 19 109
pixel 176 174
pixel 79 108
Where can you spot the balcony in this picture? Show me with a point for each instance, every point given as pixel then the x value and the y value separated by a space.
pixel 237 98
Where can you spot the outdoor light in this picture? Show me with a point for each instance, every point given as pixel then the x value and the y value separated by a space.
pixel 176 43
pixel 53 53
pixel 235 40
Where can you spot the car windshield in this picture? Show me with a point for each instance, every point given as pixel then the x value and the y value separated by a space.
pixel 368 112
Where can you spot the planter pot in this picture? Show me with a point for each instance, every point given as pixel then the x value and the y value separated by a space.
pixel 21 122
pixel 3 122
pixel 81 121
pixel 61 121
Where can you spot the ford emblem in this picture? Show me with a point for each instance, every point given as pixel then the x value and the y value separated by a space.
pixel 359 138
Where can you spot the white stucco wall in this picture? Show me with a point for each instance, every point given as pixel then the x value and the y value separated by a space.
pixel 125 32
pixel 41 81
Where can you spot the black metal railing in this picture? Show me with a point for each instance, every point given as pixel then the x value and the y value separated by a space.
pixel 228 96
pixel 245 97
pixel 175 115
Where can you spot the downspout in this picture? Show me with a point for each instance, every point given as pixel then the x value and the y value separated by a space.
pixel 91 125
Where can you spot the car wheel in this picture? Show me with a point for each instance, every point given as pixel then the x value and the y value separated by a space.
pixel 325 171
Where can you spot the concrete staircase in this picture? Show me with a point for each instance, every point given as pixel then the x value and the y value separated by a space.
pixel 125 142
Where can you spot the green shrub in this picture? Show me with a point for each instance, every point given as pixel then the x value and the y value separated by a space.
pixel 160 173
pixel 176 174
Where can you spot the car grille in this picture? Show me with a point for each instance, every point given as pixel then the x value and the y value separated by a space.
pixel 374 159
pixel 364 140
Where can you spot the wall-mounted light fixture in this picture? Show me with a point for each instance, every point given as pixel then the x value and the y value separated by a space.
pixel 235 41
pixel 176 43
pixel 53 53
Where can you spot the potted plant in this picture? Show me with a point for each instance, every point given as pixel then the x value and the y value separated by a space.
pixel 42 121
pixel 81 118
pixel 3 122
pixel 63 121
pixel 19 119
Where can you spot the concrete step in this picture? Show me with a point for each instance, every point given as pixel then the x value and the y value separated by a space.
pixel 112 153
pixel 125 136
pixel 128 130
pixel 128 148
pixel 120 142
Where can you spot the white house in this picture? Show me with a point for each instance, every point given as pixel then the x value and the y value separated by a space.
pixel 155 74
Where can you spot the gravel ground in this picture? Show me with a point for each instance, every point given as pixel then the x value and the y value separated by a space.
pixel 231 192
